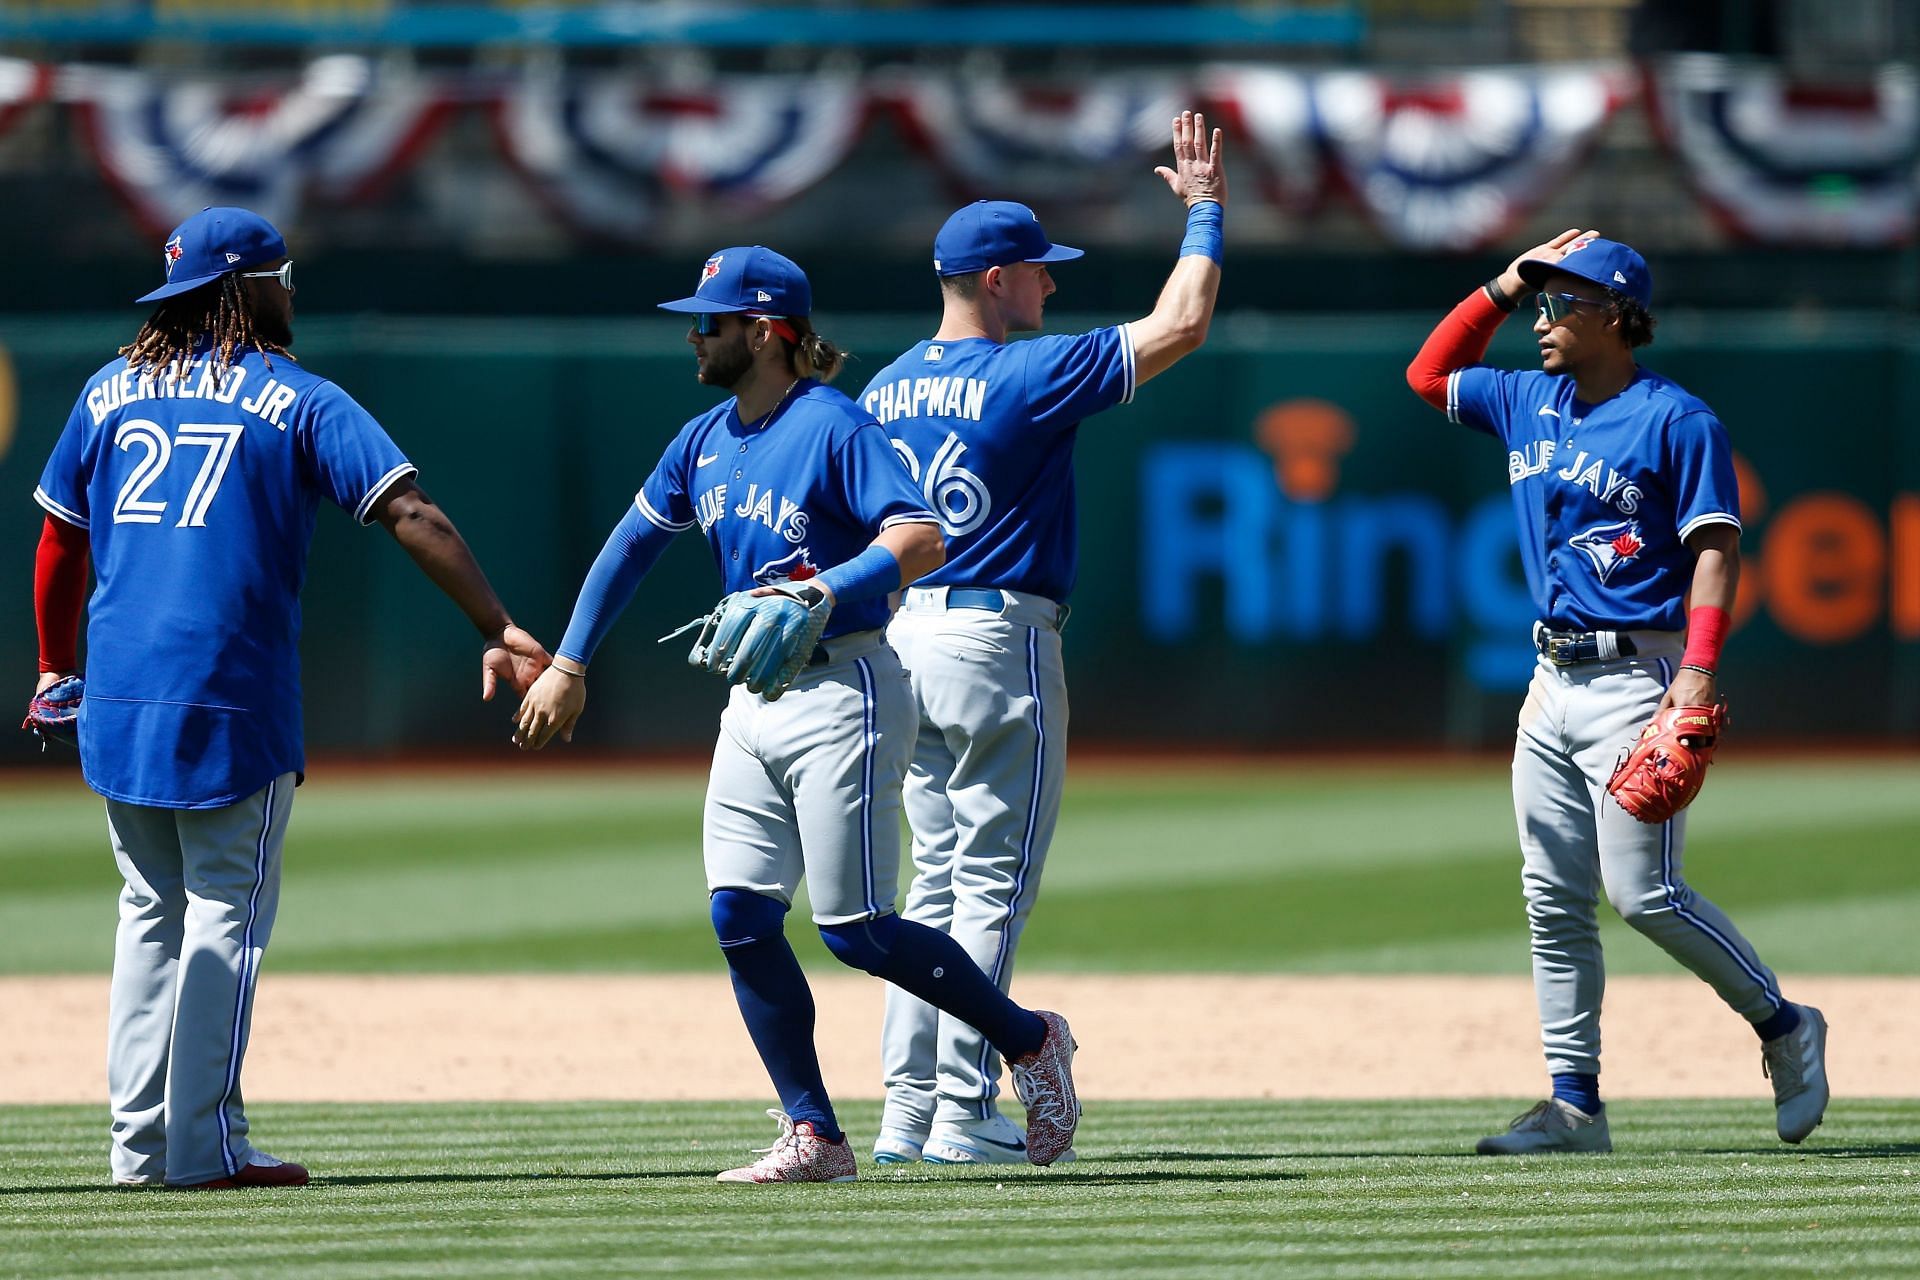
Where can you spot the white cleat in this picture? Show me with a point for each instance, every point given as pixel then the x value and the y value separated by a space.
pixel 1552 1125
pixel 798 1155
pixel 995 1140
pixel 1797 1065
pixel 896 1146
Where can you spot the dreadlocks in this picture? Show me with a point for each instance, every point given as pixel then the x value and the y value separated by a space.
pixel 218 310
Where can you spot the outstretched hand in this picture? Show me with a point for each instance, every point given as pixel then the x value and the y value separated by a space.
pixel 1197 172
pixel 551 708
pixel 514 656
pixel 1514 285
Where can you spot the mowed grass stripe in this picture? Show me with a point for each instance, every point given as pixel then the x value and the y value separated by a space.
pixel 1316 868
pixel 1219 1188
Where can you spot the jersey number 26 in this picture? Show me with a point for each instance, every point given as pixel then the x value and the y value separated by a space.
pixel 956 495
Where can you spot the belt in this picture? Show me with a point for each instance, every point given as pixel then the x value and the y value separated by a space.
pixel 1569 648
pixel 1016 606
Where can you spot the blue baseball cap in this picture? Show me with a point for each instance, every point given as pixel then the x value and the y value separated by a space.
pixel 211 243
pixel 748 277
pixel 1607 263
pixel 992 233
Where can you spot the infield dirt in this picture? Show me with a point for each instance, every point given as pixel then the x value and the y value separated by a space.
pixel 590 1037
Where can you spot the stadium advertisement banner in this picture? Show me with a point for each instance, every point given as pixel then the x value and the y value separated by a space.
pixel 1280 545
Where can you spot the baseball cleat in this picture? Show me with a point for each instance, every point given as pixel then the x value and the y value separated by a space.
pixel 261 1170
pixel 1044 1081
pixel 995 1140
pixel 798 1155
pixel 896 1146
pixel 1552 1125
pixel 1797 1064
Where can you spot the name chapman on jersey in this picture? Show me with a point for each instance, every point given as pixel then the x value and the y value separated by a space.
pixel 952 397
pixel 1596 476
pixel 126 388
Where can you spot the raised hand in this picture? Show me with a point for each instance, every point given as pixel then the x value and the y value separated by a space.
pixel 1197 172
pixel 1511 281
pixel 514 656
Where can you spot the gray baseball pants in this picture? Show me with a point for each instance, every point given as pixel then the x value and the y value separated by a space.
pixel 202 887
pixel 982 796
pixel 1576 841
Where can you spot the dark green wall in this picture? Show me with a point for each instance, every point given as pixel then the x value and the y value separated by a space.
pixel 1212 606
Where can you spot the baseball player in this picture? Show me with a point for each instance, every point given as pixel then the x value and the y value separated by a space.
pixel 189 474
pixel 1630 533
pixel 987 429
pixel 807 509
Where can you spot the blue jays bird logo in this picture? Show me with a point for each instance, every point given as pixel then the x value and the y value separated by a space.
pixel 709 271
pixel 795 567
pixel 1577 245
pixel 1610 545
pixel 173 253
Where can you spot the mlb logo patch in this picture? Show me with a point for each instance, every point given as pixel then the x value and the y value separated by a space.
pixel 935 351
pixel 173 253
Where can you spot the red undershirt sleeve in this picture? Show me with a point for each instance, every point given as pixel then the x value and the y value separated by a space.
pixel 1456 342
pixel 59 591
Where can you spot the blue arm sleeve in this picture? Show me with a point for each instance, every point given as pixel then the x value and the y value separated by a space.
pixel 873 572
pixel 631 550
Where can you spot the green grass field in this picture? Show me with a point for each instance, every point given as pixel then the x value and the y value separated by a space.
pixel 1408 867
pixel 1233 1189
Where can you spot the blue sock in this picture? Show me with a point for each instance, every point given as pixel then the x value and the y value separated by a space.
pixel 1580 1090
pixel 776 1003
pixel 927 963
pixel 1784 1021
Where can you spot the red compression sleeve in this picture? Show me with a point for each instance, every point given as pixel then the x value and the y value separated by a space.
pixel 59 590
pixel 1456 342
pixel 1706 633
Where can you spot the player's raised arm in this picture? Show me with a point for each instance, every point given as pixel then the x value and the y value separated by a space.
pixel 429 537
pixel 1461 339
pixel 1179 320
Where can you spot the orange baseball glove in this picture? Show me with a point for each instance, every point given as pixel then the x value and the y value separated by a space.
pixel 1667 767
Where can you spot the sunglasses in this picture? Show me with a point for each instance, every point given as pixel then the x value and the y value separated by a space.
pixel 283 273
pixel 1557 306
pixel 707 323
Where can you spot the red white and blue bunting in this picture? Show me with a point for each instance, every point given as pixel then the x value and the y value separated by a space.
pixel 1063 142
pixel 1451 164
pixel 1782 163
pixel 1272 110
pixel 22 84
pixel 170 148
pixel 603 152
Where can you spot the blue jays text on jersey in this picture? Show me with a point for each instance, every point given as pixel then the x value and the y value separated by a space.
pixel 199 495
pixel 987 431
pixel 804 489
pixel 1606 494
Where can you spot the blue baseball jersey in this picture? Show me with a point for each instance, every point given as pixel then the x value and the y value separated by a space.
pixel 199 497
pixel 987 430
pixel 1606 494
pixel 806 488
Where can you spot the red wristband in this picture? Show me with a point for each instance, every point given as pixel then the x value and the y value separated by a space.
pixel 1706 633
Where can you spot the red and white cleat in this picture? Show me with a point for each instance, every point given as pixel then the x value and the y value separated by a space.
pixel 799 1155
pixel 1044 1081
pixel 262 1170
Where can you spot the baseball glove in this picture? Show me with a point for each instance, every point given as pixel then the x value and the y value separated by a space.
pixel 762 641
pixel 54 713
pixel 1667 766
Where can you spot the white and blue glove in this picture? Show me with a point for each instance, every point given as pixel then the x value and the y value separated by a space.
pixel 762 641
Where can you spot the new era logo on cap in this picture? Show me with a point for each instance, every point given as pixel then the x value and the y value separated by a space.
pixel 232 258
pixel 761 295
pixel 1618 278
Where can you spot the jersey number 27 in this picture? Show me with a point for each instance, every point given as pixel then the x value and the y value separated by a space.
pixel 132 506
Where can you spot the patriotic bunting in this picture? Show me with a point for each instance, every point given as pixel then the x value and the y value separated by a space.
pixel 22 84
pixel 1451 164
pixel 1272 110
pixel 1835 165
pixel 1075 142
pixel 602 152
pixel 173 148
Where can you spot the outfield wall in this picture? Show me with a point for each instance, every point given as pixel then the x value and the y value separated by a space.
pixel 1281 545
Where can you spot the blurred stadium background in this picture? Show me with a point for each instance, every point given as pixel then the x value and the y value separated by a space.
pixel 1282 546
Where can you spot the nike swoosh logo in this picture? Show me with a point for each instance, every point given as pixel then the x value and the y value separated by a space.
pixel 1004 1146
pixel 709 458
